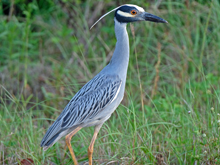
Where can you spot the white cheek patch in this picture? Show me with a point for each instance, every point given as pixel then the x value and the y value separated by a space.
pixel 124 14
pixel 140 9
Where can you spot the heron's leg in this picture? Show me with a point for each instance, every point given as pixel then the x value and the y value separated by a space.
pixel 90 149
pixel 68 139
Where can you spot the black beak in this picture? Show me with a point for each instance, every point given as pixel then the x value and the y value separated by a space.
pixel 153 18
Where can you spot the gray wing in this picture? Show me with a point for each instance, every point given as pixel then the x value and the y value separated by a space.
pixel 89 101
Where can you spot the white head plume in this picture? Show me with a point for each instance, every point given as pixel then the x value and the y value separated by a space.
pixel 103 17
pixel 141 9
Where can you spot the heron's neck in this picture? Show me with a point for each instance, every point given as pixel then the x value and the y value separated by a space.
pixel 120 56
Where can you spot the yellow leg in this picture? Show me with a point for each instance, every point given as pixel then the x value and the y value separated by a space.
pixel 90 149
pixel 68 139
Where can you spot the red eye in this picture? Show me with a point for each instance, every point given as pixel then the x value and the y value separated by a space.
pixel 133 12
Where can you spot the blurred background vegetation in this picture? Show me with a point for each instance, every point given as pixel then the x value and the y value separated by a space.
pixel 170 113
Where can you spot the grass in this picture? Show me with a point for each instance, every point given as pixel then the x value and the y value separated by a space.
pixel 170 112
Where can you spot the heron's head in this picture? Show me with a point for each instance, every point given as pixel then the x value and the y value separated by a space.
pixel 132 13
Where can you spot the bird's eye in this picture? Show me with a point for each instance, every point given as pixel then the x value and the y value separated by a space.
pixel 133 12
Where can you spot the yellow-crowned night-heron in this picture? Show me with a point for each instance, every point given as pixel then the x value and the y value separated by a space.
pixel 94 103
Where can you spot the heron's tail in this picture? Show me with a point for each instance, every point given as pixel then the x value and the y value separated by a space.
pixel 54 133
pixel 47 143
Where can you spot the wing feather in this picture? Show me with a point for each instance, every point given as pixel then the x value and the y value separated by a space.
pixel 87 103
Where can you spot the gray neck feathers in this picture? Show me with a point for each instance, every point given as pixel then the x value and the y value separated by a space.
pixel 120 56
